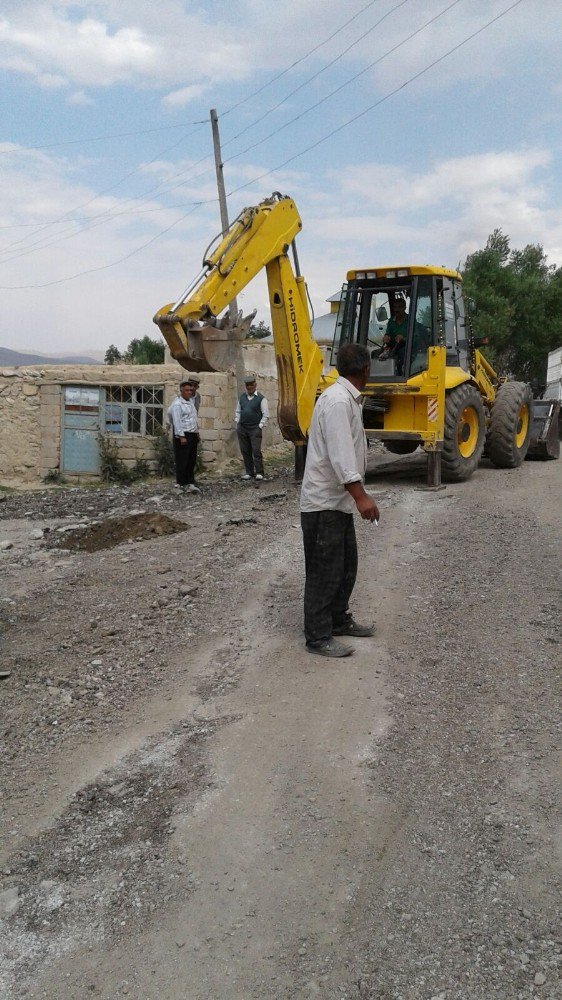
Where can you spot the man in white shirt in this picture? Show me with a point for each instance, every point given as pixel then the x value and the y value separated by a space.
pixel 332 489
pixel 182 415
pixel 252 412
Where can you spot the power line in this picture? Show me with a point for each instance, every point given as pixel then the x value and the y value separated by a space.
pixel 198 123
pixel 100 194
pixel 290 159
pixel 298 61
pixel 113 263
pixel 97 138
pixel 343 85
pixel 110 215
pixel 315 75
pixel 165 128
pixel 372 107
pixel 117 215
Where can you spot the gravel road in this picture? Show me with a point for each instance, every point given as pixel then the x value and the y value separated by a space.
pixel 194 808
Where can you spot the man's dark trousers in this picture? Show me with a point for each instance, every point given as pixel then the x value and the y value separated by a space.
pixel 330 554
pixel 249 439
pixel 185 457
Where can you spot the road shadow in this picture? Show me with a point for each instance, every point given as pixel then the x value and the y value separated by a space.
pixel 410 470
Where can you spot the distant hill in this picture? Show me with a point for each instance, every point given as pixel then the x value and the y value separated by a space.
pixel 11 359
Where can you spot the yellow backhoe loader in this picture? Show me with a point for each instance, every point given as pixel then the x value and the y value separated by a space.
pixel 429 385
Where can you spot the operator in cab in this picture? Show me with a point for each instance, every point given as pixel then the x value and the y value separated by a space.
pixel 394 340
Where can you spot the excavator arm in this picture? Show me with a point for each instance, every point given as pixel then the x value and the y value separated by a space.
pixel 259 238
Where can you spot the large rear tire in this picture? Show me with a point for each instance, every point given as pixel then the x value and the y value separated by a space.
pixel 510 425
pixel 401 447
pixel 465 433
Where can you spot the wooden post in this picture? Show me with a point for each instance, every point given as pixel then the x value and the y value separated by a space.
pixel 233 307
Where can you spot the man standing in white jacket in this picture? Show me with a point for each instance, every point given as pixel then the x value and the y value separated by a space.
pixel 182 415
pixel 332 489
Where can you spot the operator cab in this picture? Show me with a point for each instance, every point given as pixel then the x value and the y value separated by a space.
pixel 398 314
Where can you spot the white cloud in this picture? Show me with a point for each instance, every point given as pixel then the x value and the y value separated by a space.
pixel 171 43
pixel 352 216
pixel 154 49
pixel 86 51
pixel 438 216
pixel 179 98
pixel 51 81
pixel 80 98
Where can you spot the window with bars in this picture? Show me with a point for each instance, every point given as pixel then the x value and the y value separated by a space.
pixel 134 409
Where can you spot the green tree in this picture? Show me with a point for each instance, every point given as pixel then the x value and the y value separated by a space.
pixel 257 332
pixel 112 355
pixel 145 351
pixel 517 297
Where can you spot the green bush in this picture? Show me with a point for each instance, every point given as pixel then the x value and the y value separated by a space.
pixel 164 454
pixel 55 476
pixel 112 469
pixel 140 470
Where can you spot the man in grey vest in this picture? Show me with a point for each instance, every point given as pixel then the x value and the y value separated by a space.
pixel 251 416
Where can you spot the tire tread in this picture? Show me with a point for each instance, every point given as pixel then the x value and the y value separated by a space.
pixel 500 446
pixel 457 469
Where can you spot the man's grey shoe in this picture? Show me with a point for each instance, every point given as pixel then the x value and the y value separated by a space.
pixel 192 488
pixel 245 476
pixel 259 476
pixel 330 648
pixel 355 629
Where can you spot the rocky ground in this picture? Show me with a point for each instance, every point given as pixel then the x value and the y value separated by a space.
pixel 194 807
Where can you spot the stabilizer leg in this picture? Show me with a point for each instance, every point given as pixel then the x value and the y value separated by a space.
pixel 434 470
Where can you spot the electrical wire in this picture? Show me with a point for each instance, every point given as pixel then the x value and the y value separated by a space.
pixel 110 215
pixel 290 159
pixel 164 128
pixel 342 86
pixel 100 194
pixel 316 75
pixel 113 263
pixel 97 138
pixel 297 62
pixel 377 104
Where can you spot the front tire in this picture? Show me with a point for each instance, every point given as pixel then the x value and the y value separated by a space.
pixel 465 433
pixel 510 425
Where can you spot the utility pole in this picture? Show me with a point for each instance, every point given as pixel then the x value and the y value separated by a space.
pixel 233 307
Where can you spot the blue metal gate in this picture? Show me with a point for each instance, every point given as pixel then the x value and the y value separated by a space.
pixel 80 429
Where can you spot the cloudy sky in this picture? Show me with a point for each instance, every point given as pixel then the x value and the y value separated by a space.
pixel 405 130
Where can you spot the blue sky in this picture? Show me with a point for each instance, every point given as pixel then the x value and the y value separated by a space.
pixel 107 186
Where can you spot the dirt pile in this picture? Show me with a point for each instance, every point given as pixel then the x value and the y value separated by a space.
pixel 107 534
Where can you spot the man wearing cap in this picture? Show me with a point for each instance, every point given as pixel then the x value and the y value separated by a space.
pixel 182 415
pixel 252 412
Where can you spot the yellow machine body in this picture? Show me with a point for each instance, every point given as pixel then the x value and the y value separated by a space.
pixel 443 395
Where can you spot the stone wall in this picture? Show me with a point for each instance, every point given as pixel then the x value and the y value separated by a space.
pixel 31 414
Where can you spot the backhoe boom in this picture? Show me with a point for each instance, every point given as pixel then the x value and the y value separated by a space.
pixel 259 238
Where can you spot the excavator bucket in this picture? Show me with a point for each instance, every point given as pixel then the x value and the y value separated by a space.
pixel 545 437
pixel 203 348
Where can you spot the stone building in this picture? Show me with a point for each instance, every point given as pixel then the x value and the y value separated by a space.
pixel 51 416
